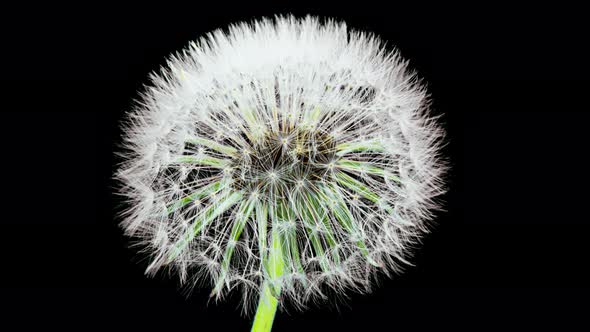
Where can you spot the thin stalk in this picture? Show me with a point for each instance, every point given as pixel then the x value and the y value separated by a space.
pixel 267 308
pixel 267 304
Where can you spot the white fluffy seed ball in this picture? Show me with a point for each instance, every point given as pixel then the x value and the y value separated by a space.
pixel 287 152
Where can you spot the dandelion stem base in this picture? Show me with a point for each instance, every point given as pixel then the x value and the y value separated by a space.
pixel 265 313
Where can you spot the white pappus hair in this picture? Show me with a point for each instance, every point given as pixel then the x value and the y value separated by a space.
pixel 286 151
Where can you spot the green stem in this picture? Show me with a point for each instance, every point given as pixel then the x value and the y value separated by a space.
pixel 271 289
pixel 265 313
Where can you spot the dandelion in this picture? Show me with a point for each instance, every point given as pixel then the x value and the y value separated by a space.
pixel 284 159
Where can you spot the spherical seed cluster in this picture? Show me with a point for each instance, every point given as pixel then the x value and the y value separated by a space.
pixel 287 152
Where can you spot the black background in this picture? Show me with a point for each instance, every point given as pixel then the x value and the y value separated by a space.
pixel 511 249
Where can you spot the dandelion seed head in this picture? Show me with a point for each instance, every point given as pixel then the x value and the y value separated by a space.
pixel 290 138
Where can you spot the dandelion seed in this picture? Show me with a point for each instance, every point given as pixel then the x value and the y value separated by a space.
pixel 288 155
